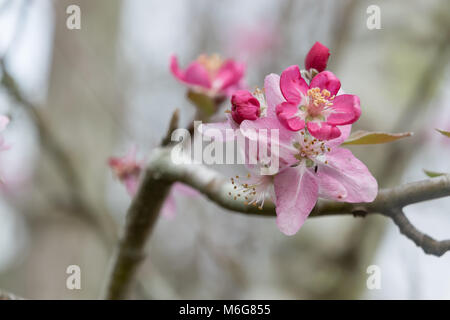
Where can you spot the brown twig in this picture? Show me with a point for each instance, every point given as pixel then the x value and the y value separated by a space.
pixel 141 217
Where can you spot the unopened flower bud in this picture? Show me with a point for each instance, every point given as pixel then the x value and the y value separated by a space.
pixel 317 57
pixel 244 106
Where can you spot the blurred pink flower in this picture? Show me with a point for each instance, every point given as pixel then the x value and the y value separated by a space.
pixel 317 57
pixel 315 106
pixel 210 75
pixel 127 170
pixel 169 207
pixel 252 43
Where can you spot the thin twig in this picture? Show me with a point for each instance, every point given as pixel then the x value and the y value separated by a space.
pixel 422 240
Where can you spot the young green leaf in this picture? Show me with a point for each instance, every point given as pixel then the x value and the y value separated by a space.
pixel 432 174
pixel 366 137
pixel 445 133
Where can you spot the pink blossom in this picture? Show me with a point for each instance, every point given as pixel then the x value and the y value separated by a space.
pixel 314 169
pixel 210 75
pixel 169 207
pixel 316 106
pixel 127 170
pixel 317 57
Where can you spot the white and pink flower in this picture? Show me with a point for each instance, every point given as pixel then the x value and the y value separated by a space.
pixel 211 75
pixel 313 168
pixel 316 106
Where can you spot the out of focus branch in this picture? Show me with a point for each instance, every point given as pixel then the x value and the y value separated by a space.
pixel 162 173
pixel 55 150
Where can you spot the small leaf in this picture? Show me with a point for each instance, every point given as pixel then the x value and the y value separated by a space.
pixel 366 137
pixel 445 133
pixel 433 174
pixel 203 102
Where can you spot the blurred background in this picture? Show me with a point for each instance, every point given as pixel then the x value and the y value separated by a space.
pixel 77 97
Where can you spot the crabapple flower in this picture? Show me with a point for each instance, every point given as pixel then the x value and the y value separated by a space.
pixel 315 106
pixel 316 168
pixel 128 170
pixel 169 207
pixel 317 58
pixel 210 75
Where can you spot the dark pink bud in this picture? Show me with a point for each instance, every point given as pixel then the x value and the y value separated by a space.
pixel 244 106
pixel 317 57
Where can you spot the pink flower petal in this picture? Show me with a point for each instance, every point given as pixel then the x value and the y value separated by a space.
pixel 296 191
pixel 273 93
pixel 346 110
pixel 351 173
pixel 326 80
pixel 286 151
pixel 286 113
pixel 329 187
pixel 131 184
pixel 195 74
pixel 345 133
pixel 229 74
pixel 322 130
pixel 292 85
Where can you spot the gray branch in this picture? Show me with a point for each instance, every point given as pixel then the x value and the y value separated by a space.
pixel 162 173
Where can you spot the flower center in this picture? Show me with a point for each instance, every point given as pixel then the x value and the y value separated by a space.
pixel 310 149
pixel 211 63
pixel 318 104
pixel 254 190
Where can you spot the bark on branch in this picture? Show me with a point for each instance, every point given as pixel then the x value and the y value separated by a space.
pixel 162 173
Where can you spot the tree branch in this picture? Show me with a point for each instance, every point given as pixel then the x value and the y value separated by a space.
pixel 162 173
pixel 428 244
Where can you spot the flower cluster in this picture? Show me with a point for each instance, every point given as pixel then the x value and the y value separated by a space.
pixel 313 119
